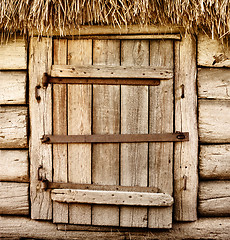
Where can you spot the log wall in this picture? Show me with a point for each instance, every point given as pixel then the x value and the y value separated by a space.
pixel 14 164
pixel 214 127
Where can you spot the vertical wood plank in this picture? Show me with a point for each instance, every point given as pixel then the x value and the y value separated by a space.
pixel 79 122
pixel 134 119
pixel 40 61
pixel 60 210
pixel 161 112
pixel 186 153
pixel 106 120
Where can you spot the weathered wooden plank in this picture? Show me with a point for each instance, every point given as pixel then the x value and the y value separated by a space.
pixel 160 121
pixel 214 124
pixel 60 163
pixel 79 107
pixel 13 54
pixel 14 165
pixel 214 161
pixel 186 153
pixel 214 198
pixel 106 120
pixel 12 87
pixel 128 72
pixel 41 123
pixel 212 53
pixel 214 83
pixel 13 127
pixel 134 119
pixel 111 197
pixel 14 198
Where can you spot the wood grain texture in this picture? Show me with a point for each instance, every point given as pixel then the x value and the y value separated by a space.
pixel 13 54
pixel 214 198
pixel 212 53
pixel 214 124
pixel 106 120
pixel 14 165
pixel 60 161
pixel 214 162
pixel 134 119
pixel 12 87
pixel 41 123
pixel 186 153
pixel 14 198
pixel 79 107
pixel 214 83
pixel 13 126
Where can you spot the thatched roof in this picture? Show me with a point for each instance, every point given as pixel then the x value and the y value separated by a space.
pixel 50 15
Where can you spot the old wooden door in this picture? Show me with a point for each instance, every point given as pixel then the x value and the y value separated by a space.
pixel 94 109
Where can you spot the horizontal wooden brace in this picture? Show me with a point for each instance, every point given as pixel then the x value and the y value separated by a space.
pixel 111 197
pixel 117 138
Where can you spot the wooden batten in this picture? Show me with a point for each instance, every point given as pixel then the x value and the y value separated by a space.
pixel 14 198
pixel 14 165
pixel 13 127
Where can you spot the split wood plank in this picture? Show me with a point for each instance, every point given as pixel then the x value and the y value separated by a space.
pixel 41 123
pixel 134 119
pixel 214 124
pixel 214 198
pixel 161 114
pixel 111 197
pixel 12 87
pixel 186 153
pixel 14 198
pixel 214 83
pixel 79 122
pixel 60 211
pixel 214 162
pixel 106 120
pixel 14 165
pixel 127 72
pixel 13 55
pixel 13 126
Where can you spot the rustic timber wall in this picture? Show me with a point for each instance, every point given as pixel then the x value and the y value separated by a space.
pixel 14 174
pixel 214 127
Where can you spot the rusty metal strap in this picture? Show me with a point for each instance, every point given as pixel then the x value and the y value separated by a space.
pixel 117 138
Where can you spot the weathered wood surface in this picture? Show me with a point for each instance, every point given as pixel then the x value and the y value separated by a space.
pixel 12 87
pixel 186 153
pixel 41 123
pixel 14 165
pixel 214 198
pixel 13 126
pixel 214 161
pixel 13 54
pixel 212 53
pixel 214 124
pixel 203 228
pixel 111 197
pixel 14 198
pixel 214 83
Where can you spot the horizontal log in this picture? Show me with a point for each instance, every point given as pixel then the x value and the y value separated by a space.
pixel 14 198
pixel 25 228
pixel 14 165
pixel 214 198
pixel 13 127
pixel 69 71
pixel 13 54
pixel 12 87
pixel 214 83
pixel 214 161
pixel 214 124
pixel 111 197
pixel 212 53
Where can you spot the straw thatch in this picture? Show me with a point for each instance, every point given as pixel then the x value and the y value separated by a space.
pixel 46 15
